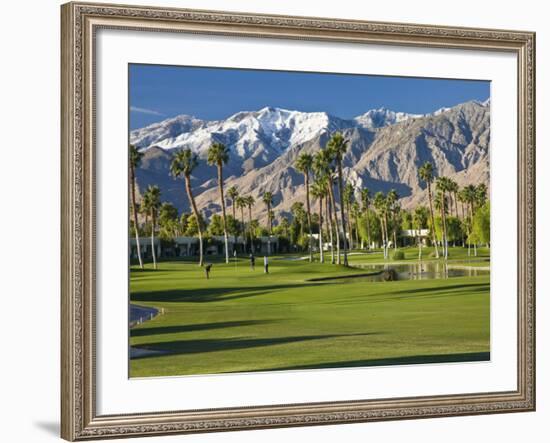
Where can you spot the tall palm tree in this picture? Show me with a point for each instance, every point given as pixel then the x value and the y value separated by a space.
pixel 442 187
pixel 453 189
pixel 249 201
pixel 393 208
pixel 380 203
pixel 267 198
pixel 151 201
pixel 338 145
pixel 323 165
pixel 426 173
pixel 218 155
pixel 470 196
pixel 233 194
pixel 462 198
pixel 481 194
pixel 304 164
pixel 365 201
pixel 183 164
pixel 349 192
pixel 319 191
pixel 241 204
pixel 355 211
pixel 133 162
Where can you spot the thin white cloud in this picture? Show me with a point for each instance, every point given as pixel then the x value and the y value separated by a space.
pixel 144 111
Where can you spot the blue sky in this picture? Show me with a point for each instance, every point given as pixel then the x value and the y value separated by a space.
pixel 158 92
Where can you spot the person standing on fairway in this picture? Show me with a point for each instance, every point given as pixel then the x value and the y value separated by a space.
pixel 266 265
pixel 207 270
pixel 252 261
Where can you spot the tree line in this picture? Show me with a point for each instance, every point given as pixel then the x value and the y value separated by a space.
pixel 345 217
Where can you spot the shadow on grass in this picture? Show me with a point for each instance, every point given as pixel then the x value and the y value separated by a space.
pixel 209 294
pixel 413 294
pixel 143 332
pixel 229 344
pixel 410 360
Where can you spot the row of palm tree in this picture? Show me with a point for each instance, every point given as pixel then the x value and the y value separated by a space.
pixel 321 171
pixel 326 166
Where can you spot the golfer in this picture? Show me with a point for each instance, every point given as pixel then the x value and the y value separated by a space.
pixel 207 270
pixel 252 261
pixel 266 265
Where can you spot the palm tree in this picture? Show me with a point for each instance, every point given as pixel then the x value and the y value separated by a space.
pixel 249 201
pixel 133 162
pixel 426 173
pixel 380 203
pixel 348 201
pixel 393 207
pixel 453 189
pixel 233 194
pixel 267 198
pixel 319 191
pixel 462 198
pixel 218 155
pixel 481 194
pixel 365 200
pixel 151 201
pixel 470 197
pixel 241 204
pixel 442 186
pixel 355 211
pixel 322 164
pixel 338 145
pixel 304 164
pixel 183 164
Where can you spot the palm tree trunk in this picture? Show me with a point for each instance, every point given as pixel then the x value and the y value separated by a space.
pixel 336 228
pixel 394 230
pixel 321 254
pixel 197 216
pixel 269 232
pixel 386 247
pixel 342 210
pixel 368 229
pixel 472 226
pixel 234 221
pixel 306 175
pixel 220 186
pixel 153 238
pixel 444 219
pixel 350 228
pixel 434 239
pixel 456 204
pixel 328 211
pixel 356 223
pixel 134 213
pixel 242 229
pixel 250 229
pixel 419 244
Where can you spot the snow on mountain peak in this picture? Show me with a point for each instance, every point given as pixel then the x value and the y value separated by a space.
pixel 264 133
pixel 378 118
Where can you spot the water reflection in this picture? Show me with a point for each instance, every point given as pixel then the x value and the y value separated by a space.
pixel 422 270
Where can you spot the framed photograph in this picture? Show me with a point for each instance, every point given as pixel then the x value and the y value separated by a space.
pixel 275 221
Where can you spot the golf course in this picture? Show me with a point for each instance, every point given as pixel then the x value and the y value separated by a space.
pixel 309 315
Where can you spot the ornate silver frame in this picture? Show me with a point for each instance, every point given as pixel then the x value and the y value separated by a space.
pixel 79 23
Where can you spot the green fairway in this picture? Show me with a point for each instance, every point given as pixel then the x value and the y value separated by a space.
pixel 242 320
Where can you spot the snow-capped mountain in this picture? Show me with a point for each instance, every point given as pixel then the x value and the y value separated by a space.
pixel 378 118
pixel 261 135
pixel 386 148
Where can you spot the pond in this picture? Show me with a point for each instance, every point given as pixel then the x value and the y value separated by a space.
pixel 420 270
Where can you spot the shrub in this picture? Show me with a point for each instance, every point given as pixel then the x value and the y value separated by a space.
pixel 398 255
